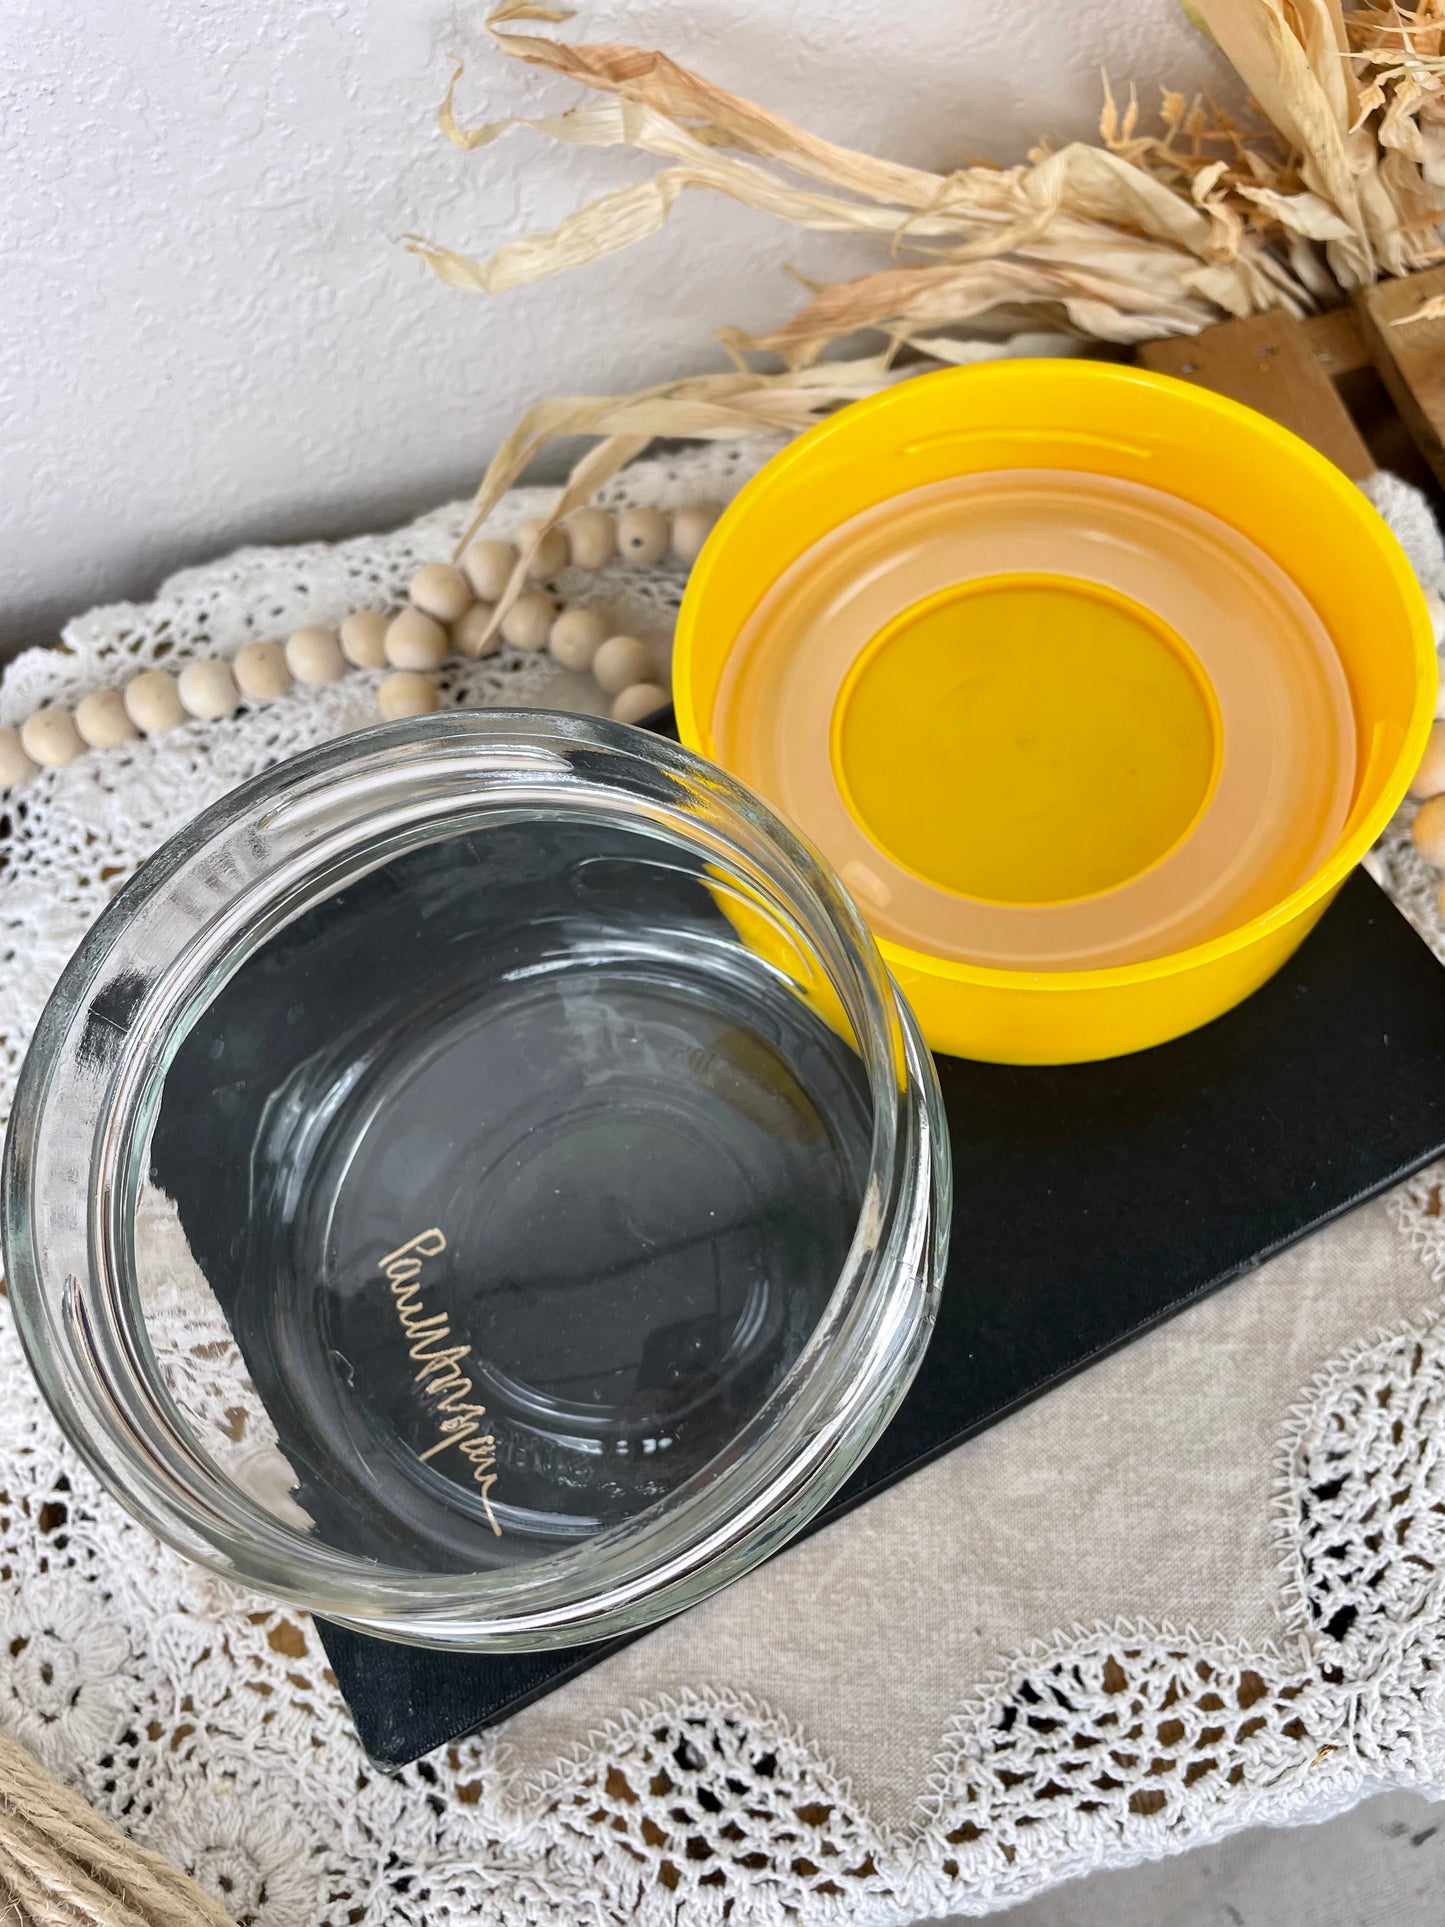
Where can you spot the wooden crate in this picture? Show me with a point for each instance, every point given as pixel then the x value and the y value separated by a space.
pixel 1365 383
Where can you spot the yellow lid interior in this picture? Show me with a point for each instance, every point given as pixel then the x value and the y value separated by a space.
pixel 988 715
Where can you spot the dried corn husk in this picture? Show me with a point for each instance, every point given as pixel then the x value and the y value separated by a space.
pixel 722 407
pixel 1431 310
pixel 1087 238
pixel 1103 244
pixel 1159 230
pixel 1352 94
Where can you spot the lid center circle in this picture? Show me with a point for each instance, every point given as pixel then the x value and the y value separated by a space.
pixel 1026 738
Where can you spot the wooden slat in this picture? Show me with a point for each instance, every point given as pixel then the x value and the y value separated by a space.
pixel 1268 362
pixel 1336 342
pixel 1410 355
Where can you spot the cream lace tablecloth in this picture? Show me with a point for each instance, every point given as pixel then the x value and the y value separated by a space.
pixel 1196 1589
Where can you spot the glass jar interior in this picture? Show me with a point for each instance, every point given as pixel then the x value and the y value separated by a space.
pixel 515 1182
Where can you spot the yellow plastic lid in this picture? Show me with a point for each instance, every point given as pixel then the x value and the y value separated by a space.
pixel 923 771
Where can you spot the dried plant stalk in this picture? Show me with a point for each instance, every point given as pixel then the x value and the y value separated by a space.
pixel 1156 231
pixel 1102 243
pixel 1431 310
pixel 1360 97
pixel 722 407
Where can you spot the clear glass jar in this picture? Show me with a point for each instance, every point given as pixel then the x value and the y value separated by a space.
pixel 478 1183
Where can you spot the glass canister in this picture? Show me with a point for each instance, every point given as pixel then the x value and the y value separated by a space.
pixel 478 1183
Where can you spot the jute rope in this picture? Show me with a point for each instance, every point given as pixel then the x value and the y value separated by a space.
pixel 61 1865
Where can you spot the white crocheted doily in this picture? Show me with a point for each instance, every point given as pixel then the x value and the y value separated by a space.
pixel 205 1722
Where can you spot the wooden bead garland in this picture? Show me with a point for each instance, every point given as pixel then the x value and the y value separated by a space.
pixel 101 719
pixel 15 766
pixel 450 610
pixel 1427 832
pixel 592 537
pixel 643 535
pixel 620 662
pixel 1429 779
pixel 528 623
pixel 416 641
pixel 406 692
pixel 576 636
pixel 470 637
pixel 313 655
pixel 363 638
pixel 488 566
pixel 690 529
pixel 260 671
pixel 439 590
pixel 208 689
pixel 639 699
pixel 553 549
pixel 50 738
pixel 152 702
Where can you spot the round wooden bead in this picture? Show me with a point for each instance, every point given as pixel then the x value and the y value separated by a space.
pixel 363 638
pixel 15 766
pixel 469 636
pixel 208 689
pixel 592 536
pixel 440 590
pixel 406 692
pixel 415 641
pixel 553 551
pixel 101 719
pixel 260 671
pixel 50 738
pixel 488 567
pixel 620 662
pixel 1428 831
pixel 152 702
pixel 576 636
pixel 641 699
pixel 313 655
pixel 642 535
pixel 1429 779
pixel 528 623
pixel 690 529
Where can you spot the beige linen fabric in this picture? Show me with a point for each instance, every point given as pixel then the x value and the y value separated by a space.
pixel 1141 1489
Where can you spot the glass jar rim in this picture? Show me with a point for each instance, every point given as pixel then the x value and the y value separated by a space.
pixel 185 923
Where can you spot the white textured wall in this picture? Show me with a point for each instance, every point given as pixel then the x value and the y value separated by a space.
pixel 208 333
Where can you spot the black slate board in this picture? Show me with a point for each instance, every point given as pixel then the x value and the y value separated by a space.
pixel 1092 1201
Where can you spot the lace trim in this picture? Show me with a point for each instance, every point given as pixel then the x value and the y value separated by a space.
pixel 1097 1748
